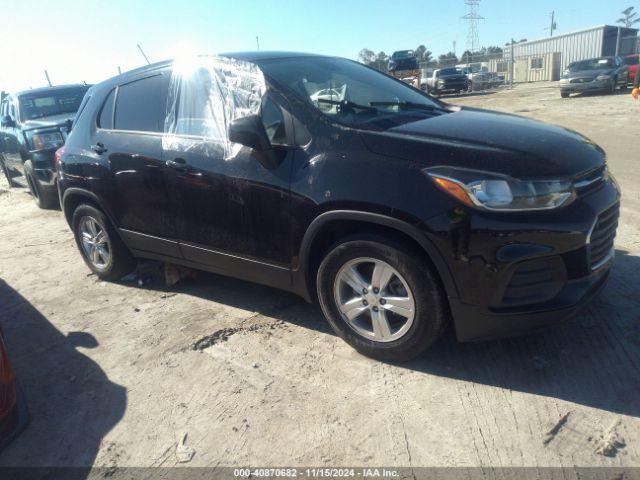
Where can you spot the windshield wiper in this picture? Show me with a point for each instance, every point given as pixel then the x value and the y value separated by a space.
pixel 348 103
pixel 410 105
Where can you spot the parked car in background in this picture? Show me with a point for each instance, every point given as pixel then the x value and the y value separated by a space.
pixel 388 209
pixel 447 80
pixel 33 124
pixel 604 74
pixel 633 63
pixel 13 408
pixel 403 60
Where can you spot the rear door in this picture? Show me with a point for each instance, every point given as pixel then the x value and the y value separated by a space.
pixel 130 126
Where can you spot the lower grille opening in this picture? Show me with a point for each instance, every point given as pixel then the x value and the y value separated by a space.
pixel 602 236
pixel 535 281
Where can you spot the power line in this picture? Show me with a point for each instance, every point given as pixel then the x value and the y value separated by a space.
pixel 473 18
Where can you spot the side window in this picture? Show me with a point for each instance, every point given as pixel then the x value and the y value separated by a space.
pixel 141 105
pixel 105 119
pixel 273 122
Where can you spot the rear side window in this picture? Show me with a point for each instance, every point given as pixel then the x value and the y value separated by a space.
pixel 105 120
pixel 141 105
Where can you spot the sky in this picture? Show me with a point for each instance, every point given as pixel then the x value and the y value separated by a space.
pixel 88 40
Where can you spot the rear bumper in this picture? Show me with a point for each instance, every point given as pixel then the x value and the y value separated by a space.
pixel 474 324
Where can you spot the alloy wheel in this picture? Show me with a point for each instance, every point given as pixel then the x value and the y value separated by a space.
pixel 374 299
pixel 95 242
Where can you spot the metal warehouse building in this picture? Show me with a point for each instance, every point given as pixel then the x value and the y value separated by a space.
pixel 604 40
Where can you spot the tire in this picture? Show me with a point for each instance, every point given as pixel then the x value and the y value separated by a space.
pixel 114 260
pixel 413 279
pixel 612 87
pixel 10 181
pixel 564 94
pixel 46 198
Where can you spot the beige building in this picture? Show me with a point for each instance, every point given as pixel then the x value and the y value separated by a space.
pixel 531 68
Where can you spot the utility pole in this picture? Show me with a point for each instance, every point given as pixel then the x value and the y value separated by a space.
pixel 46 74
pixel 454 47
pixel 119 70
pixel 618 40
pixel 143 54
pixel 553 27
pixel 258 42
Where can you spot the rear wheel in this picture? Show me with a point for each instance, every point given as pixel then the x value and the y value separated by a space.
pixel 381 300
pixel 101 248
pixel 46 198
pixel 6 173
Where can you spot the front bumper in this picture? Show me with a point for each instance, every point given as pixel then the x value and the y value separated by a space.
pixel 517 272
pixel 596 85
pixel 44 167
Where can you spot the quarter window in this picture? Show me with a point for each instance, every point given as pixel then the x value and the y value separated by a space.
pixel 105 120
pixel 141 105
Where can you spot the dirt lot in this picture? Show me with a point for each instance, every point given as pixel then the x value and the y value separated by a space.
pixel 112 377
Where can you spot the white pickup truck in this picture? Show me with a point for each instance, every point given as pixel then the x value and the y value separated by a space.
pixel 446 80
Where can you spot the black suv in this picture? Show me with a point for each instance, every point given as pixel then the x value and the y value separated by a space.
pixel 403 60
pixel 327 178
pixel 33 124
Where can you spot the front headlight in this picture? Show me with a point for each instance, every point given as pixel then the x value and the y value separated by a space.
pixel 496 192
pixel 44 141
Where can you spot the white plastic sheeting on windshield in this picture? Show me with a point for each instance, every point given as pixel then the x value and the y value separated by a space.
pixel 205 95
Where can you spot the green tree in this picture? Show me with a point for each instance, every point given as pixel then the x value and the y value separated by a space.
pixel 423 54
pixel 629 18
pixel 367 56
pixel 381 62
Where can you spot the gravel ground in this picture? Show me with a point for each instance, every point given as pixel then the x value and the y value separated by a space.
pixel 113 378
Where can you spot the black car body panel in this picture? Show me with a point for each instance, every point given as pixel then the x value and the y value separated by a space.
pixel 267 225
pixel 403 60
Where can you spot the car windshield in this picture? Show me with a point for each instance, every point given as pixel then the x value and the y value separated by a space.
pixel 403 54
pixel 635 60
pixel 594 64
pixel 450 71
pixel 50 103
pixel 348 92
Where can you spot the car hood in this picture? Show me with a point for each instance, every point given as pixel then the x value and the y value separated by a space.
pixel 588 73
pixel 52 121
pixel 490 141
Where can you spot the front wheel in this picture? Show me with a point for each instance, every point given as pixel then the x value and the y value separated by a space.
pixel 101 248
pixel 564 94
pixel 382 300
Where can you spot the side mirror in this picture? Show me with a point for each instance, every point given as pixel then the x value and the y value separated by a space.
pixel 250 132
pixel 7 121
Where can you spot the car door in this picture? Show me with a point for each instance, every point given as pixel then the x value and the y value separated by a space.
pixel 233 213
pixel 130 125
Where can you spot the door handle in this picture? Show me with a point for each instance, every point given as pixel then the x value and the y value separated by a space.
pixel 98 148
pixel 179 164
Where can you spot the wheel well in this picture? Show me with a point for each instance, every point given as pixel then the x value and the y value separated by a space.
pixel 73 201
pixel 336 230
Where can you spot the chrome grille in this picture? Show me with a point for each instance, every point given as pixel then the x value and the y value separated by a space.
pixel 602 235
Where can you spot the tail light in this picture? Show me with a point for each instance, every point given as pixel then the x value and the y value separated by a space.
pixel 58 156
pixel 44 141
pixel 7 383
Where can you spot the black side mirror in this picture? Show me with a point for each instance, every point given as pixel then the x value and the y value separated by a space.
pixel 250 132
pixel 7 121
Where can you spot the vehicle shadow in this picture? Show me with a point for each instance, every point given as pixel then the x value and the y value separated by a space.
pixel 72 403
pixel 593 360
